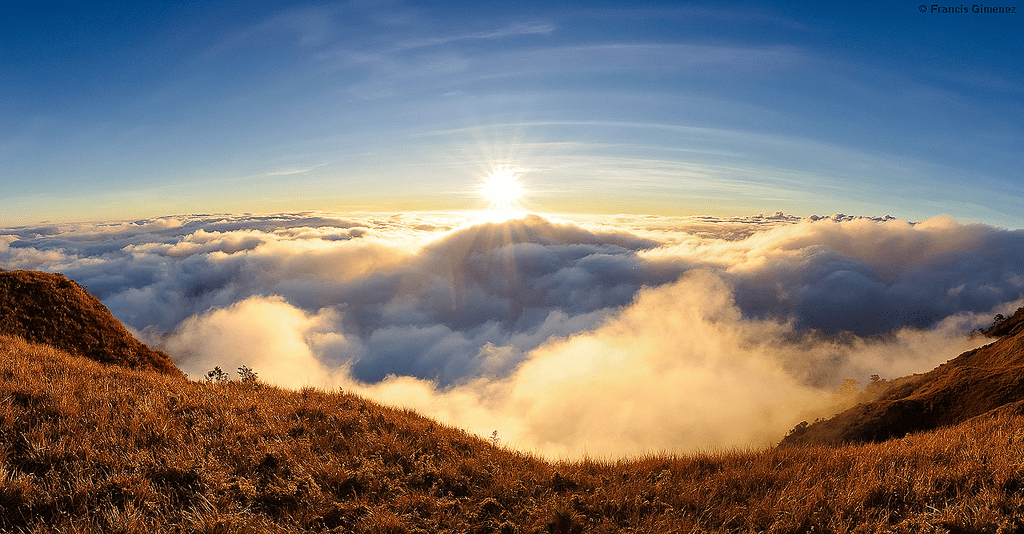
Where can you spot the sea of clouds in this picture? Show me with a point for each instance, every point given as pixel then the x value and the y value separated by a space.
pixel 605 336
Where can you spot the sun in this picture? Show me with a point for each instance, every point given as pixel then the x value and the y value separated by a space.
pixel 502 188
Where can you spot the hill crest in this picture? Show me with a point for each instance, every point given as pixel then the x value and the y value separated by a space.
pixel 50 309
pixel 982 381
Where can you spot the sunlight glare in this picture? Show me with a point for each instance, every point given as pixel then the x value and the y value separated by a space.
pixel 502 188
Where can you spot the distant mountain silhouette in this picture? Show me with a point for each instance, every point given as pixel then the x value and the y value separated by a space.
pixel 985 380
pixel 50 309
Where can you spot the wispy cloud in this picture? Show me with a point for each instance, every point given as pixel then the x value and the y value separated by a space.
pixel 308 27
pixel 512 30
pixel 288 172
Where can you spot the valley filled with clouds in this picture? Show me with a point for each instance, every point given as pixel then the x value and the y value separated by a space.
pixel 600 336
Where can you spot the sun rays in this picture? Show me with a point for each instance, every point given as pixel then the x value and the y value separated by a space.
pixel 502 187
pixel 503 191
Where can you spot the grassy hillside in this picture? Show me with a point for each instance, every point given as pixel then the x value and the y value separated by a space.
pixel 49 308
pixel 87 447
pixel 974 383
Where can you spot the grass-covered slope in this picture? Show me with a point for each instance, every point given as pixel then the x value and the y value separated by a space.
pixel 86 447
pixel 972 384
pixel 135 447
pixel 49 308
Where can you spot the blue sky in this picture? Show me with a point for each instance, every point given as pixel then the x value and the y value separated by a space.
pixel 112 110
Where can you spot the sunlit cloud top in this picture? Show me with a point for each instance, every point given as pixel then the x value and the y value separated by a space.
pixel 609 336
pixel 119 110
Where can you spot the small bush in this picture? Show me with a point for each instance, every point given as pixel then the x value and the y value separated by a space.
pixel 217 375
pixel 247 375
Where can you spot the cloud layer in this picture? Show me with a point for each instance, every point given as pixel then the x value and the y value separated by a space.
pixel 605 337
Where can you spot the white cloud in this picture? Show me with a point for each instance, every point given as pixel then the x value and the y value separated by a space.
pixel 264 333
pixel 615 336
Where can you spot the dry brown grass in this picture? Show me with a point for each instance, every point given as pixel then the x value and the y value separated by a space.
pixel 48 308
pixel 87 447
pixel 970 385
